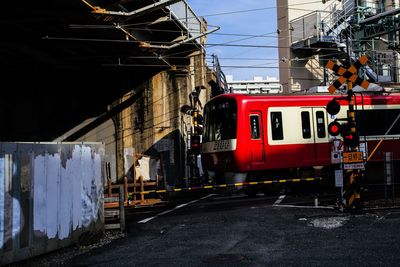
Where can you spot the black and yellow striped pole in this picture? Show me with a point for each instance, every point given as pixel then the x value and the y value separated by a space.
pixel 354 177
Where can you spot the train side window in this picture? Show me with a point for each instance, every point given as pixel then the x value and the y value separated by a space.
pixel 276 126
pixel 255 126
pixel 305 124
pixel 321 132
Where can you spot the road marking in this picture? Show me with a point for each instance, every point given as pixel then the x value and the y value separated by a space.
pixel 177 207
pixel 303 207
pixel 279 200
pixel 281 197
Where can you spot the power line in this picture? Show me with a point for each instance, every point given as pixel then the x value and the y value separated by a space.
pixel 212 15
pixel 270 46
pixel 245 58
pixel 256 9
pixel 245 38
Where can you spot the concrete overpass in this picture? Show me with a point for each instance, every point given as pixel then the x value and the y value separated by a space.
pixel 63 61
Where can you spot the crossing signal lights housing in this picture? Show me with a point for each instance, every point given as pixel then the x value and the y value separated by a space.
pixel 349 139
pixel 333 107
pixel 195 144
pixel 197 123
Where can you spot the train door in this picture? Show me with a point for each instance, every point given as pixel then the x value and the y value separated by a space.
pixel 256 137
pixel 314 134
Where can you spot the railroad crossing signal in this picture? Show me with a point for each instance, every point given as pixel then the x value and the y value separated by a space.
pixel 355 173
pixel 349 74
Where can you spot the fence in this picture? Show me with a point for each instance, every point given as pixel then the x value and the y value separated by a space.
pixel 50 194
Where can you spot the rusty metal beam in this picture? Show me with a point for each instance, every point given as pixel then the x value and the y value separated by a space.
pixel 137 12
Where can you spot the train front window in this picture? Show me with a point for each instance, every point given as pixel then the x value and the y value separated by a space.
pixel 220 120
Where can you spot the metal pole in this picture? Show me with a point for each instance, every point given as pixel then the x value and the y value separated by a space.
pixel 389 174
pixel 354 175
pixel 121 208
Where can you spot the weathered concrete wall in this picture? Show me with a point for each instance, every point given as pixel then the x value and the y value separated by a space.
pixel 50 194
pixel 152 122
pixel 154 125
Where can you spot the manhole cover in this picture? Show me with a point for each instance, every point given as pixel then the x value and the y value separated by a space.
pixel 224 258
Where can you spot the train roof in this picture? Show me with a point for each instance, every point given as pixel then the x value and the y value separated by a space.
pixel 365 97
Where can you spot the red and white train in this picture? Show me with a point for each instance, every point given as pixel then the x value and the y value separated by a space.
pixel 253 137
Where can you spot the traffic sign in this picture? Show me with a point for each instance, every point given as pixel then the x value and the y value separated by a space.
pixel 354 166
pixel 353 157
pixel 347 74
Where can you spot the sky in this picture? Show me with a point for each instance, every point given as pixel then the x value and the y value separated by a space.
pixel 245 25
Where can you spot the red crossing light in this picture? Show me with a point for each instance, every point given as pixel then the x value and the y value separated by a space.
pixel 334 128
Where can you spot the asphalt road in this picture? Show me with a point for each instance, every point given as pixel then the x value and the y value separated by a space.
pixel 281 230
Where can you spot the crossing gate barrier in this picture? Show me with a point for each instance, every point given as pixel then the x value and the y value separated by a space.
pixel 202 187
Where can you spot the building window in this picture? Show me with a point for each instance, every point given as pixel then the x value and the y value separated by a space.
pixel 276 126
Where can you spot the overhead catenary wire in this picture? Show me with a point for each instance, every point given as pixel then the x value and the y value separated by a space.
pixel 227 13
pixel 236 12
pixel 251 46
pixel 211 44
pixel 224 13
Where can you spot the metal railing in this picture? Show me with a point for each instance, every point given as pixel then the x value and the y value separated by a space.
pixel 182 12
pixel 336 16
pixel 220 76
pixel 324 24
pixel 305 27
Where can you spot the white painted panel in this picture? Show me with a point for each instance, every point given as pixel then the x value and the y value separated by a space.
pixel 75 166
pixel 59 180
pixel 16 218
pixel 2 192
pixel 86 168
pixel 65 202
pixel 52 191
pixel 39 194
pixel 98 180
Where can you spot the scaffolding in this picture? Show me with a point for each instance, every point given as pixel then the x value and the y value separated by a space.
pixel 345 30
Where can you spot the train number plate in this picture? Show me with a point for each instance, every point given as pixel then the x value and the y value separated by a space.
pixel 352 157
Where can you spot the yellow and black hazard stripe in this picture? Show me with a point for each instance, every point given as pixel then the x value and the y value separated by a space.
pixel 357 80
pixel 202 187
pixel 347 74
pixel 353 188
